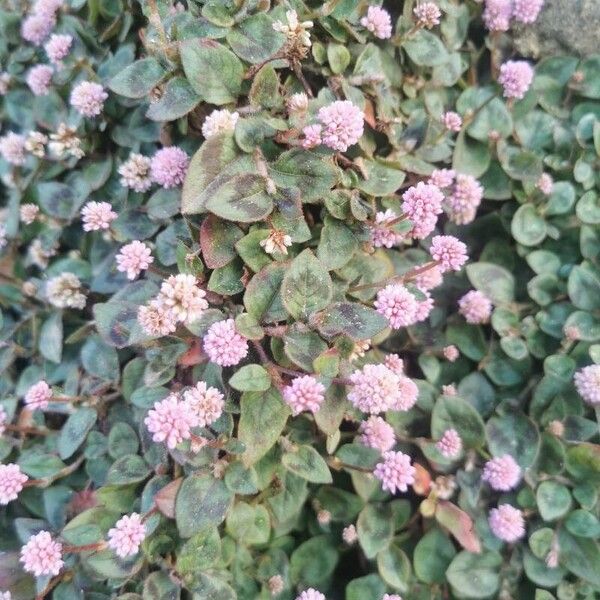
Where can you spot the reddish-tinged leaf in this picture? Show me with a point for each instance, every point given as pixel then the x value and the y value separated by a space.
pixel 194 356
pixel 459 524
pixel 165 498
pixel 422 483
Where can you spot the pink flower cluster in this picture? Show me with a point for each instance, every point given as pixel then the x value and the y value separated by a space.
pixel 41 21
pixel 134 258
pixel 57 48
pixel 396 472
pixel 207 403
pixel 378 22
pixel 311 594
pixel 475 307
pixel 42 555
pixel 545 184
pixel 587 383
pixel 507 523
pixel 382 234
pixel 12 481
pixel 38 396
pixel 428 14
pixel 12 148
pixel 376 389
pixel 450 444
pixel 397 305
pixel 502 473
pixel 442 178
pixel 127 535
pixel 97 216
pixel 169 166
pixel 464 199
pixel 452 121
pixel 497 14
pixel 3 419
pixel 170 421
pixel 88 98
pixel 450 253
pixel 377 433
pixel 304 393
pixel 342 125
pixel 515 77
pixel 422 204
pixel 38 79
pixel 224 345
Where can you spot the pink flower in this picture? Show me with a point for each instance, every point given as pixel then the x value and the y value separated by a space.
pixel 170 421
pixel 449 390
pixel 464 200
pixel 304 393
pixel 39 79
pixel 38 396
pixel 378 22
pixel 515 77
pixel 475 307
pixel 169 166
pixel 375 389
pixel 312 136
pixel 156 319
pixel 219 121
pixel 545 184
pixel 350 535
pixel 127 535
pixel 429 279
pixel 381 234
pixel 395 472
pixel 442 178
pixel 450 253
pixel 36 28
pixel 424 307
pixel 11 482
pixel 376 433
pixel 206 402
pixel 181 295
pixel 502 473
pixel 451 353
pixel 394 363
pixel 391 597
pixel 587 383
pixel 224 345
pixel 507 523
pixel 422 203
pixel 527 11
pixel 87 98
pixel 134 258
pixel 427 14
pixel 343 124
pixel 41 555
pixel 135 173
pixel 28 213
pixel 97 216
pixel 47 8
pixel 497 14
pixel 452 121
pixel 408 393
pixel 12 148
pixel 450 444
pixel 3 419
pixel 310 594
pixel 397 305
pixel 57 48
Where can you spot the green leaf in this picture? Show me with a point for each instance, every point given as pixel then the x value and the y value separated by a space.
pixel 217 241
pixel 75 430
pixel 553 500
pixel 160 586
pixel 313 562
pixel 128 469
pixel 122 440
pixel 202 501
pixel 588 207
pixel 337 244
pixel 496 282
pixel 338 57
pixel 369 587
pixel 583 462
pixel 433 554
pixel 60 200
pixel 426 49
pixel 470 156
pixel 138 79
pixel 241 198
pixel 582 523
pixel 250 524
pixel 307 463
pixel 105 564
pixel 584 287
pixel 254 39
pixel 581 556
pixel 494 116
pixel 527 227
pixel 263 298
pixel 312 174
pixel 381 179
pixel 213 71
pixel 469 339
pixel 177 100
pixel 251 378
pixel 394 568
pixel 100 359
pixel 514 434
pixel 452 412
pixel 306 286
pixel 352 319
pixel 51 338
pixel 475 575
pixel 262 419
pixel 375 528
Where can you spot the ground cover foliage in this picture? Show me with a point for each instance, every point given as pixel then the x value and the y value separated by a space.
pixel 298 300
